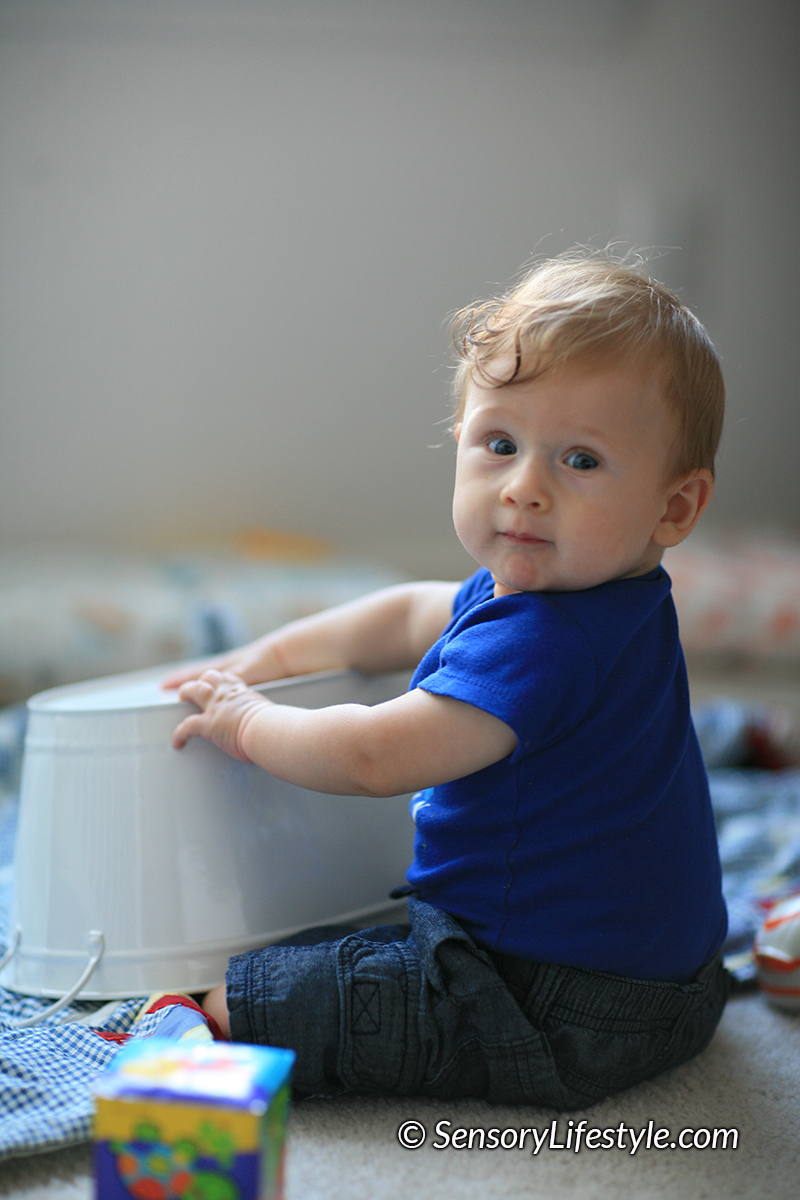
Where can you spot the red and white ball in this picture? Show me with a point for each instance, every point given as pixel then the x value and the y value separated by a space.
pixel 777 954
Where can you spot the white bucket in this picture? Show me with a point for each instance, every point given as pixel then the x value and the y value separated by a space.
pixel 147 867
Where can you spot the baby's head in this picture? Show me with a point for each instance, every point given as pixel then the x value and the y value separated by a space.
pixel 594 310
pixel 590 405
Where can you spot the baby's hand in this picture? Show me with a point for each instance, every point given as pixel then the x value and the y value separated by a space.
pixel 227 705
pixel 258 662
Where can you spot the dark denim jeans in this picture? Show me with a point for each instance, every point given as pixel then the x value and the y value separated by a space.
pixel 421 1010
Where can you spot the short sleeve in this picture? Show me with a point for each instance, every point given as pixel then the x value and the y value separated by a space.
pixel 521 659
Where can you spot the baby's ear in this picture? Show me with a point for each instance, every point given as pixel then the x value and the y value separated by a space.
pixel 457 430
pixel 687 499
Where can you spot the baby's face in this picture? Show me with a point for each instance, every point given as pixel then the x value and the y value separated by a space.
pixel 561 481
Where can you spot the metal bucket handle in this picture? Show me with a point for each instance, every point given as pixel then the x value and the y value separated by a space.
pixel 97 944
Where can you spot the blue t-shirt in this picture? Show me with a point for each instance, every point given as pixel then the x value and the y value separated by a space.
pixel 593 844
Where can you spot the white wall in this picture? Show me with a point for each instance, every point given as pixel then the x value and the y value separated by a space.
pixel 230 233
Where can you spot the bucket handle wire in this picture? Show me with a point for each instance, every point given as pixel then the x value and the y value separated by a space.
pixel 97 945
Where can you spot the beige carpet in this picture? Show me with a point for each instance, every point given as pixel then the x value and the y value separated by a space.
pixel 748 1080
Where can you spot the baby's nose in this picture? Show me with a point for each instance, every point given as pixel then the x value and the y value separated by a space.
pixel 527 486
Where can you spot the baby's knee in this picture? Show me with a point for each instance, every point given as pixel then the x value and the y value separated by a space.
pixel 215 1003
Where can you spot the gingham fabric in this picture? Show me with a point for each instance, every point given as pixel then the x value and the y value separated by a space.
pixel 46 1073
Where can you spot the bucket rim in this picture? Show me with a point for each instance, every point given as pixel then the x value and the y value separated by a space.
pixel 47 701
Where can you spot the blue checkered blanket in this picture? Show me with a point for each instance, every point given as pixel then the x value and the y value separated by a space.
pixel 46 1071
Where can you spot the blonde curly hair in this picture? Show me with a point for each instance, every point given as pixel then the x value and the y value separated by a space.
pixel 594 309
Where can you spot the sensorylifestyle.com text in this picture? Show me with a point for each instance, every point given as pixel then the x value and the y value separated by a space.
pixel 579 1135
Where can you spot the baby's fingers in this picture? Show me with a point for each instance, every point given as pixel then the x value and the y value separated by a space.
pixel 224 700
pixel 198 691
pixel 186 730
pixel 194 670
pixel 183 674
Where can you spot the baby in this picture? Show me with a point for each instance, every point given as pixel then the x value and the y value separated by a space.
pixel 565 904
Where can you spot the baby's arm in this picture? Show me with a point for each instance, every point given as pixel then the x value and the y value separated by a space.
pixel 415 741
pixel 387 630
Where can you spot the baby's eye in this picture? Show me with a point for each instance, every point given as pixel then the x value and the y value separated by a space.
pixel 502 445
pixel 581 460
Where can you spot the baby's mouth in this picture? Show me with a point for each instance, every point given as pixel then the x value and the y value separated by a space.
pixel 522 539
